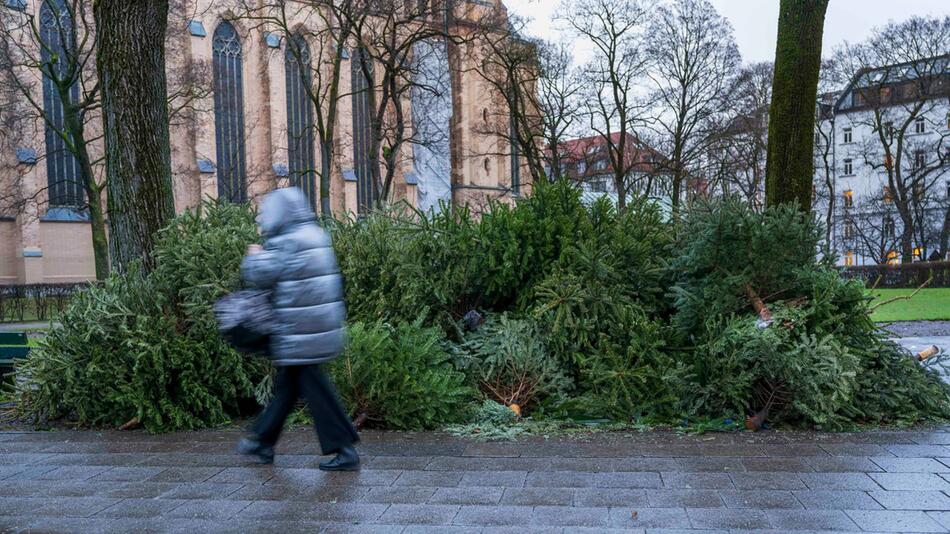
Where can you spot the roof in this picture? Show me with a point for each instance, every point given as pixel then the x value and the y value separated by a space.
pixel 640 156
pixel 895 76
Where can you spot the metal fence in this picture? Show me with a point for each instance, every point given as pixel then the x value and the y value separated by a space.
pixel 39 302
pixel 905 275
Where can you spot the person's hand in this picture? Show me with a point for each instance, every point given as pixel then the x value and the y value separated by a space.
pixel 254 249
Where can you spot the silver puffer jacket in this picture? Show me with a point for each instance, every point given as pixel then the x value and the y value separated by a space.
pixel 299 265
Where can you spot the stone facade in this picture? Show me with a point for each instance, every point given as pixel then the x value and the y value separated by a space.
pixel 40 245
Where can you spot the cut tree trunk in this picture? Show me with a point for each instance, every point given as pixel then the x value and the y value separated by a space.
pixel 130 57
pixel 758 305
pixel 790 165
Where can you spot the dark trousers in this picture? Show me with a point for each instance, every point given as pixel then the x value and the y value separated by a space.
pixel 310 382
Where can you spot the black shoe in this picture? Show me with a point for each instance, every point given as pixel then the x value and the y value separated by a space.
pixel 346 460
pixel 261 453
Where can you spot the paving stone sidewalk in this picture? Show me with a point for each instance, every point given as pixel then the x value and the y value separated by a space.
pixel 646 482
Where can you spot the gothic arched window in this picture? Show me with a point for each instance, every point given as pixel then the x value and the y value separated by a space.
pixel 300 140
pixel 229 113
pixel 63 175
pixel 362 130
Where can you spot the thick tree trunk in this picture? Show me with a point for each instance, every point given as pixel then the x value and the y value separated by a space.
pixel 789 168
pixel 130 57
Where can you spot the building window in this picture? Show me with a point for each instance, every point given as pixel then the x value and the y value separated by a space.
pixel 888 197
pixel 361 75
pixel 849 259
pixel 581 167
pixel 598 185
pixel 888 226
pixel 847 135
pixel 300 139
pixel 888 129
pixel 848 167
pixel 600 165
pixel 227 65
pixel 917 253
pixel 885 94
pixel 920 160
pixel 63 175
pixel 849 229
pixel 920 126
pixel 893 258
pixel 918 191
pixel 849 198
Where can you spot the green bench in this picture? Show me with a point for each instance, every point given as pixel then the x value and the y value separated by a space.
pixel 13 345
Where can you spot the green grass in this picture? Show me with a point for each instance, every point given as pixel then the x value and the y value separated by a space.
pixel 930 304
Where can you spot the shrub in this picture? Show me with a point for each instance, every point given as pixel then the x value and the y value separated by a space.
pixel 400 376
pixel 821 362
pixel 399 264
pixel 595 327
pixel 507 361
pixel 724 247
pixel 793 374
pixel 146 347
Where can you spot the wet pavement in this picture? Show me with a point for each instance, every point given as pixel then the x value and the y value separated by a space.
pixel 918 328
pixel 642 482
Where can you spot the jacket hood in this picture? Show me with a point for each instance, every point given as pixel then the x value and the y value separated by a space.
pixel 282 209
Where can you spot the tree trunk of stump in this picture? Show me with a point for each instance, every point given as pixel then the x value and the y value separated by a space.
pixel 130 57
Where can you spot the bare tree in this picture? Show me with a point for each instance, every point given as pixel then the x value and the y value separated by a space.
pixel 693 59
pixel 510 66
pixel 315 39
pixel 898 96
pixel 612 79
pixel 825 190
pixel 740 147
pixel 871 231
pixel 48 79
pixel 384 35
pixel 559 90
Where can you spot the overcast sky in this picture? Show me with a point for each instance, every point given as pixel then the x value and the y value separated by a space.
pixel 755 21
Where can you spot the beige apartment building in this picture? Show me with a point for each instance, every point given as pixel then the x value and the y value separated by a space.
pixel 250 131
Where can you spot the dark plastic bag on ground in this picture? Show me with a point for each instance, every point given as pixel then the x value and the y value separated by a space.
pixel 246 320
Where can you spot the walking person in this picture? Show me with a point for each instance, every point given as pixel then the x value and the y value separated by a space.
pixel 298 264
